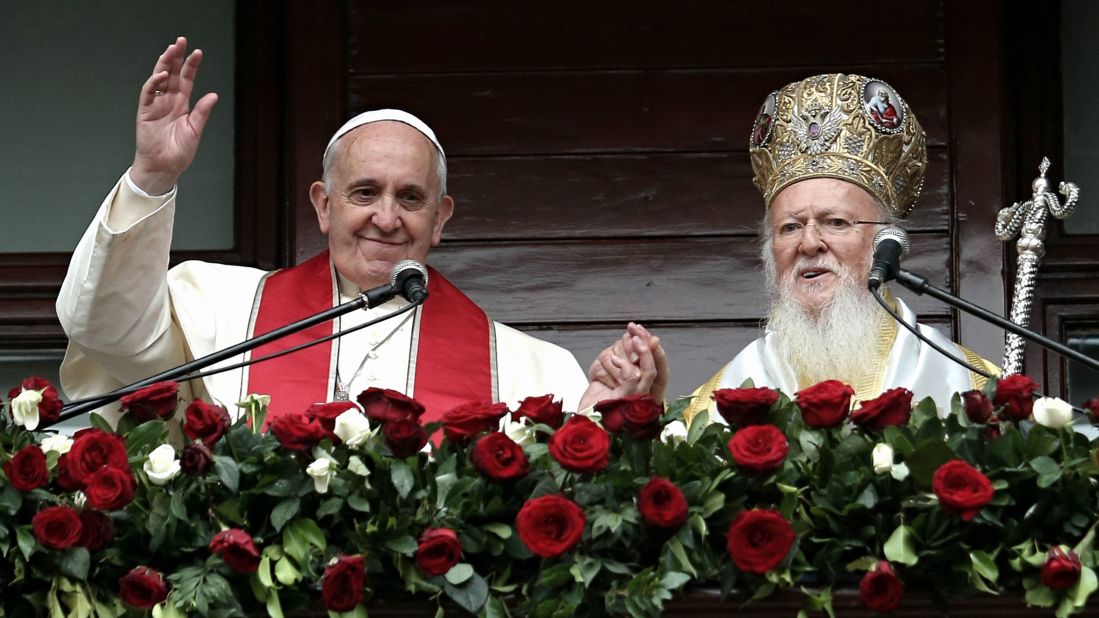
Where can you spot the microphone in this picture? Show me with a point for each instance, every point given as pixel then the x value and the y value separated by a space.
pixel 890 245
pixel 409 279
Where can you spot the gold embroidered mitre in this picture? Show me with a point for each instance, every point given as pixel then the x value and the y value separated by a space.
pixel 849 127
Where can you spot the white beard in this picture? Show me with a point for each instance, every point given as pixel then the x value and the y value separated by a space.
pixel 835 341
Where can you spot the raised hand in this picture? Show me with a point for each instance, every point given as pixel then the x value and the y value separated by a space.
pixel 168 129
pixel 633 365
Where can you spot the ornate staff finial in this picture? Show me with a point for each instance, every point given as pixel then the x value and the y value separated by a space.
pixel 1028 219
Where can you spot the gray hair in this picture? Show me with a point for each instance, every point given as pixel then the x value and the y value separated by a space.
pixel 333 152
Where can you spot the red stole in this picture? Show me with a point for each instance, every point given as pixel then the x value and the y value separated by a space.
pixel 453 341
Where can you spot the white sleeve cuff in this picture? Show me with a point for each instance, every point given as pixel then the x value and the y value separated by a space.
pixel 138 190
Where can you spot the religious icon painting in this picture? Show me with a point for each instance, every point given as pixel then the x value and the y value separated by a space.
pixel 765 121
pixel 882 105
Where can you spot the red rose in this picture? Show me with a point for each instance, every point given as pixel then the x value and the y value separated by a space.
pixel 109 489
pixel 96 530
pixel 297 431
pixel 880 589
pixel 978 407
pixel 824 405
pixel 759 448
pixel 205 422
pixel 542 410
pixel 64 478
pixel 142 588
pixel 27 469
pixel 236 548
pixel 467 420
pixel 326 413
pixel 57 527
pixel 1061 569
pixel 1016 394
pixel 637 415
pixel 744 406
pixel 438 551
pixel 1092 407
pixel 961 488
pixel 383 405
pixel 992 431
pixel 196 459
pixel 893 407
pixel 662 504
pixel 498 458
pixel 49 409
pixel 759 540
pixel 581 446
pixel 154 401
pixel 93 449
pixel 344 578
pixel 551 525
pixel 404 437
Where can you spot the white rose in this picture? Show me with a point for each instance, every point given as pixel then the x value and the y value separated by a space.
pixel 1052 412
pixel 519 432
pixel 162 465
pixel 58 443
pixel 352 427
pixel 674 432
pixel 321 471
pixel 882 457
pixel 24 408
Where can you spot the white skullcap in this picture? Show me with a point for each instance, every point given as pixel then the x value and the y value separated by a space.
pixel 379 115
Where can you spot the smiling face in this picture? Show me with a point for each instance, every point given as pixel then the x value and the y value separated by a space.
pixel 381 203
pixel 812 264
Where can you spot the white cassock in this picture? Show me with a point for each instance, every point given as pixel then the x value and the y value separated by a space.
pixel 899 360
pixel 128 316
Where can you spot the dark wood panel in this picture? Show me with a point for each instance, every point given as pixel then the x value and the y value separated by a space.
pixel 618 111
pixel 500 35
pixel 695 351
pixel 630 195
pixel 648 279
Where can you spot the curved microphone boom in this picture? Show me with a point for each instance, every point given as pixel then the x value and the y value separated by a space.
pixel 409 279
pixel 890 245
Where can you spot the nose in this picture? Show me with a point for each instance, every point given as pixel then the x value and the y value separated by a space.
pixel 387 214
pixel 812 242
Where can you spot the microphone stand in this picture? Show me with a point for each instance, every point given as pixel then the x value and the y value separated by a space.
pixel 370 298
pixel 920 285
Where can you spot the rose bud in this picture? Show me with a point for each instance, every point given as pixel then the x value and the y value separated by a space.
pixel 297 431
pixel 404 437
pixel 961 488
pixel 498 458
pixel 662 504
pixel 196 459
pixel 236 548
pixel 461 423
pixel 542 410
pixel 57 527
pixel 1091 407
pixel 96 530
pixel 636 415
pixel 880 589
pixel 154 401
pixel 205 422
pixel 891 408
pixel 745 406
pixel 1061 569
pixel 824 405
pixel 383 405
pixel 439 550
pixel 978 407
pixel 344 578
pixel 1015 394
pixel 142 588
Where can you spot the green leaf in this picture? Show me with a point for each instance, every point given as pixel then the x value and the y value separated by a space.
pixel 10 500
pixel 713 503
pixel 501 530
pixel 984 565
pixel 495 608
pixel 145 437
pixel 405 545
pixel 900 546
pixel 698 425
pixel 471 595
pixel 401 475
pixel 672 580
pixel 443 484
pixel 228 472
pixel 285 511
pixel 286 572
pixel 178 509
pixel 74 562
pixel 927 458
pixel 26 541
pixel 1040 596
pixel 358 503
pixel 330 507
pixel 1084 586
pixel 459 573
pixel 1048 470
pixel 680 554
pixel 308 531
pixel 264 572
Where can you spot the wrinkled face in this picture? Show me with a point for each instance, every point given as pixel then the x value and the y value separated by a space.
pixel 381 204
pixel 815 261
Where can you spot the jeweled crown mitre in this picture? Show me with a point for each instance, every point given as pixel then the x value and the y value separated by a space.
pixel 849 127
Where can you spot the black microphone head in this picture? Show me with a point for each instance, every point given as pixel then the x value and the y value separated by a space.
pixel 405 269
pixel 895 234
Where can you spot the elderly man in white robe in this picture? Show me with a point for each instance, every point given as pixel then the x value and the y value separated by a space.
pixel 831 176
pixel 382 200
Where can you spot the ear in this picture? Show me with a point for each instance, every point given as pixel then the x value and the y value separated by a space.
pixel 318 194
pixel 443 214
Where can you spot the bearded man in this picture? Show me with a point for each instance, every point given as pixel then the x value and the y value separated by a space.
pixel 831 176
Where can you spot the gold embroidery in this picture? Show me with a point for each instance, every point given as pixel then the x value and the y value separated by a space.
pixel 702 397
pixel 977 380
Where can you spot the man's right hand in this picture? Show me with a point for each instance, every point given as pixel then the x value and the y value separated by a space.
pixel 168 129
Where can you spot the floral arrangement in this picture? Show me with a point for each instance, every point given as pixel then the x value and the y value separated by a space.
pixel 609 512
